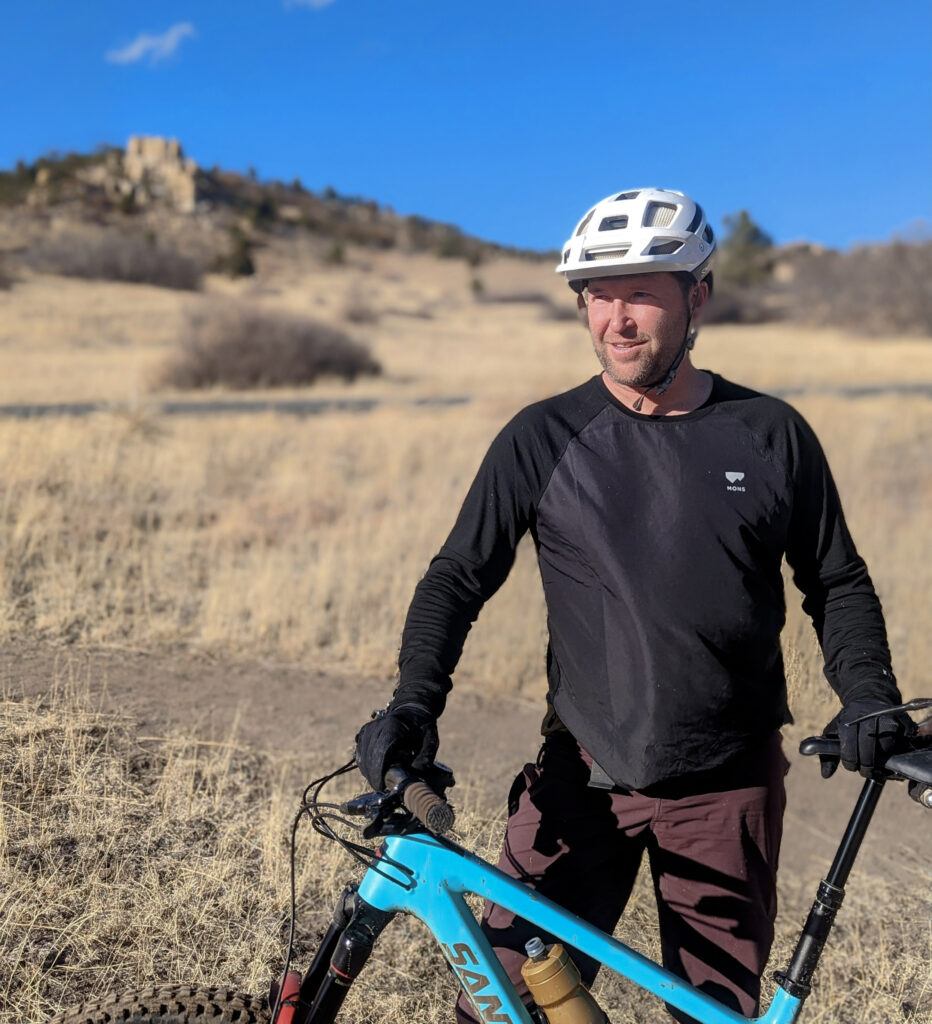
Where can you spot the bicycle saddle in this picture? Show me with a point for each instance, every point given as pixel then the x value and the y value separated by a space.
pixel 915 765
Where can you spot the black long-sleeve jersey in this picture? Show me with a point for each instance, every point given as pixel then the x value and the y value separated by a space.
pixel 660 542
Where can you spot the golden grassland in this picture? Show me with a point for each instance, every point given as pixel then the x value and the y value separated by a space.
pixel 304 537
pixel 125 861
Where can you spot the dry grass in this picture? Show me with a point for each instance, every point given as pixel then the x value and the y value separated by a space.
pixel 124 859
pixel 304 538
pixel 128 861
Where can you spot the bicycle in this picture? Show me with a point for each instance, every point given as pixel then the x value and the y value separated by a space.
pixel 418 870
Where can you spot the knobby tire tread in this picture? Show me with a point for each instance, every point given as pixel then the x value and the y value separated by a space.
pixel 171 1004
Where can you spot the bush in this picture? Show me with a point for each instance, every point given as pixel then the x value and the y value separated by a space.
pixel 335 256
pixel 237 261
pixel 114 256
pixel 239 347
pixel 356 312
pixel 882 289
pixel 15 184
pixel 263 212
pixel 732 304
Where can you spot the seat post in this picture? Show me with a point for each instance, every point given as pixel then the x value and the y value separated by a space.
pixel 798 976
pixel 854 833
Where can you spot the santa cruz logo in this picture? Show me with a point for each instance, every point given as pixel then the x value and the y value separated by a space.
pixel 734 480
pixel 476 984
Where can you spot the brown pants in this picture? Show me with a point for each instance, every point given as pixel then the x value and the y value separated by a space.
pixel 712 841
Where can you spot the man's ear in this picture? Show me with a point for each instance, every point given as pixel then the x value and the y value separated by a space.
pixel 701 297
pixel 581 310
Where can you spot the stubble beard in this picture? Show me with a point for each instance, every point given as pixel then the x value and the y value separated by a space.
pixel 655 364
pixel 646 372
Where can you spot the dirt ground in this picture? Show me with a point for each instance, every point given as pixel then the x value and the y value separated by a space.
pixel 313 714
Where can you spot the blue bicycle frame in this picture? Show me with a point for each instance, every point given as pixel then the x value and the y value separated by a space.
pixel 418 873
pixel 428 877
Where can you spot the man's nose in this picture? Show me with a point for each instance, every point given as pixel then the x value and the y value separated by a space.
pixel 620 318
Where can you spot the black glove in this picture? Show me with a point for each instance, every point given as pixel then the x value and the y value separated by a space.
pixel 865 746
pixel 405 735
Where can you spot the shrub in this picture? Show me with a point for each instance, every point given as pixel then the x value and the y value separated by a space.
pixel 335 256
pixel 115 256
pixel 237 260
pixel 733 304
pixel 359 313
pixel 882 289
pixel 239 347
pixel 263 212
pixel 15 184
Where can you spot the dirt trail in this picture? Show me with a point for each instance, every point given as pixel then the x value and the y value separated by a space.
pixel 485 739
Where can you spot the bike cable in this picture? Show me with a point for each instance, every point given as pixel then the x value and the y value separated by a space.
pixel 316 811
pixel 321 814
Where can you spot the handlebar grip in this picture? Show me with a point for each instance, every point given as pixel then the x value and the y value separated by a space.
pixel 430 809
pixel 826 746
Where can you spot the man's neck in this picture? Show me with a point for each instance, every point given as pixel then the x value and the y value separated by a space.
pixel 689 390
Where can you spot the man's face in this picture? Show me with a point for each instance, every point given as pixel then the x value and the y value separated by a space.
pixel 638 324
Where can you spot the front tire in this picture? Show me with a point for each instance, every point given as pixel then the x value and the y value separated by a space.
pixel 174 1004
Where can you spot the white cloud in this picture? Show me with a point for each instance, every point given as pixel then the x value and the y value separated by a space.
pixel 156 48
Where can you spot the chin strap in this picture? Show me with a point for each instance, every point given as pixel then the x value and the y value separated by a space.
pixel 659 388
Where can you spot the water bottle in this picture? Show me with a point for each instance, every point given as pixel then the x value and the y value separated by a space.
pixel 554 981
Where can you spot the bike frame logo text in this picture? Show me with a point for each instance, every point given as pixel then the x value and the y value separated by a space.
pixel 487 1006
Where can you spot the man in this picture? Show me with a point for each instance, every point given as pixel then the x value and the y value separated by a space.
pixel 662 500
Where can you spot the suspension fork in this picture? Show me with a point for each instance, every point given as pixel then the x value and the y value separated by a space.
pixel 344 951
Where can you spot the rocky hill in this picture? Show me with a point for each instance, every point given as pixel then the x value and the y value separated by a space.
pixel 152 183
pixel 149 213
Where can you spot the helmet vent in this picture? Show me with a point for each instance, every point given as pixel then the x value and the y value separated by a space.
pixel 659 215
pixel 584 223
pixel 613 223
pixel 607 254
pixel 625 196
pixel 665 248
pixel 707 235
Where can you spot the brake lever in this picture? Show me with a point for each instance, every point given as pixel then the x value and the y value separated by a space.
pixel 918 704
pixel 368 805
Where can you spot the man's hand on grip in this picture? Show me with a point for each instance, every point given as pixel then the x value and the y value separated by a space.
pixel 866 745
pixel 405 735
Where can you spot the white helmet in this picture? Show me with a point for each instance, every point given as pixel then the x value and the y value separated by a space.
pixel 639 232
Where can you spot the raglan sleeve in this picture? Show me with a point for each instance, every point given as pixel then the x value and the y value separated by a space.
pixel 838 594
pixel 470 567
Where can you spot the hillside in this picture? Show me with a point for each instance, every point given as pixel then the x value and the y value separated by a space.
pixel 151 187
pixel 149 214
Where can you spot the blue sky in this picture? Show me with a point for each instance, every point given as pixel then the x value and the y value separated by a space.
pixel 507 118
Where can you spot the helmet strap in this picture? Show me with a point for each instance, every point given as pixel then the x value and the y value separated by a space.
pixel 689 339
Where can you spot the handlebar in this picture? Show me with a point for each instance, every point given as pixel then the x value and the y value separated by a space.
pixel 416 794
pixel 427 806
